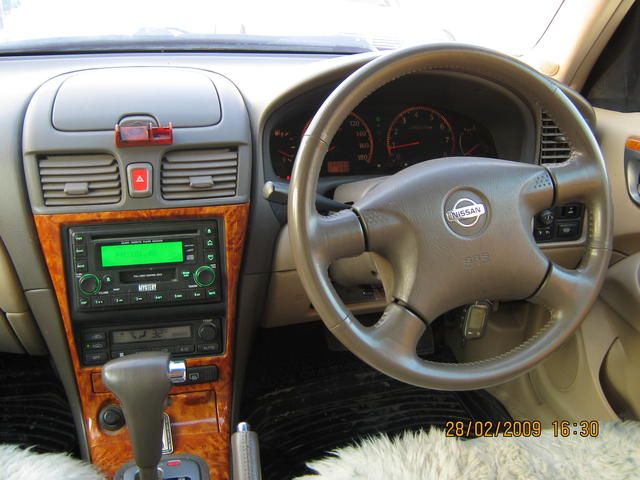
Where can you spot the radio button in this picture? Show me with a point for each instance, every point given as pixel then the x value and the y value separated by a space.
pixel 78 238
pixel 209 243
pixel 81 266
pixel 178 296
pixel 158 297
pixel 80 251
pixel 83 302
pixel 185 273
pixel 120 300
pixel 89 284
pixel 211 293
pixel 138 298
pixel 196 293
pixel 204 276
pixel 210 256
pixel 107 279
pixel 100 301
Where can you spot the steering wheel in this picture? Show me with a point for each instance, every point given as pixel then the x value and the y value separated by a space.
pixel 455 230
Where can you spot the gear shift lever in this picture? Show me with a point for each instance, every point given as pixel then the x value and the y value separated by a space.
pixel 142 382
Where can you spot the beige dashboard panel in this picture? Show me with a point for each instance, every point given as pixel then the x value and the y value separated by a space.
pixel 613 129
pixel 18 331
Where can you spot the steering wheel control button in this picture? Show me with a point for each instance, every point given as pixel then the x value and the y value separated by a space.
pixel 543 234
pixel 568 230
pixel 140 179
pixel 466 213
pixel 89 284
pixel 546 217
pixel 560 224
pixel 204 276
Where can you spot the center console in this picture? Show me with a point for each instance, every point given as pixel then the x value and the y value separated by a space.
pixel 139 181
pixel 138 270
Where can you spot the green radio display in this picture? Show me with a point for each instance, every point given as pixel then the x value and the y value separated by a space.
pixel 141 254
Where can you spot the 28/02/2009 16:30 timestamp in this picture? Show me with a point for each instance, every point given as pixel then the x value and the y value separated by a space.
pixel 521 428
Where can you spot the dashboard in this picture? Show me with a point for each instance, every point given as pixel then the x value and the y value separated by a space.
pixel 414 119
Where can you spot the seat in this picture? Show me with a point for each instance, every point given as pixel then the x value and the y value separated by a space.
pixel 613 454
pixel 19 464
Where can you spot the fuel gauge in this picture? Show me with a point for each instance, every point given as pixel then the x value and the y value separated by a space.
pixel 284 147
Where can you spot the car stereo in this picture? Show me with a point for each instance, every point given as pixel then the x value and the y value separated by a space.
pixel 147 286
pixel 131 266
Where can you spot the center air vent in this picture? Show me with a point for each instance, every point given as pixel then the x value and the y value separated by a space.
pixel 198 174
pixel 79 180
pixel 554 147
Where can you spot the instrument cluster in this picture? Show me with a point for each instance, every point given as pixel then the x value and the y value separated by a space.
pixel 382 141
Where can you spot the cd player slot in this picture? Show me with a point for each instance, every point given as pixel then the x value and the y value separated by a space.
pixel 146 276
pixel 148 235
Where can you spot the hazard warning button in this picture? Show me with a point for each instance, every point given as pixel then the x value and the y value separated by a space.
pixel 140 179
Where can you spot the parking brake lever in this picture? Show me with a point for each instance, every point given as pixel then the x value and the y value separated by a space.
pixel 278 192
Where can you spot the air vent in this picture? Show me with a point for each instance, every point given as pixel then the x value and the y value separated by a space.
pixel 554 147
pixel 79 180
pixel 199 174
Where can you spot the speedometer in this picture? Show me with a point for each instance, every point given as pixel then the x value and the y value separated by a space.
pixel 351 150
pixel 419 133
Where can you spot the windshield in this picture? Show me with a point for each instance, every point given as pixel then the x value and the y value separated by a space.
pixel 294 25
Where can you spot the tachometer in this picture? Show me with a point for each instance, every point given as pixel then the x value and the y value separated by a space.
pixel 419 133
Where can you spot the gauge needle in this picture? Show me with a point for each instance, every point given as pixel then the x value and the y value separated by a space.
pixel 404 145
pixel 331 148
pixel 472 149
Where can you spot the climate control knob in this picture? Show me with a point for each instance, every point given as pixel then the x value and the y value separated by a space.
pixel 208 332
pixel 204 276
pixel 89 284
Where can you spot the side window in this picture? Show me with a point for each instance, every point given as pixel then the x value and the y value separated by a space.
pixel 614 83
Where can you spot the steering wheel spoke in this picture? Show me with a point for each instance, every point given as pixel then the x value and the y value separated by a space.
pixel 336 236
pixel 576 179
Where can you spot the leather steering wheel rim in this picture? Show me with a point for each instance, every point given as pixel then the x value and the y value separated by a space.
pixel 438 263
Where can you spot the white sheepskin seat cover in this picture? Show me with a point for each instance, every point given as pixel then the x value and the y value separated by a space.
pixel 614 454
pixel 18 464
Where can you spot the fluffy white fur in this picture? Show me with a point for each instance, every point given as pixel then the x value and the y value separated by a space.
pixel 18 464
pixel 615 454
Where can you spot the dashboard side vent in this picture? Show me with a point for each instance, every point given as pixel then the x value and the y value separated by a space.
pixel 79 180
pixel 198 174
pixel 554 147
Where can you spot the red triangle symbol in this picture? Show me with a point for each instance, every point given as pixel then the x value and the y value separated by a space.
pixel 139 179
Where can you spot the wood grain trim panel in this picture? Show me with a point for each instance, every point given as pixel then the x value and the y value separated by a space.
pixel 200 414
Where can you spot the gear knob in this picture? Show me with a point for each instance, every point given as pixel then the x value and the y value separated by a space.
pixel 142 382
